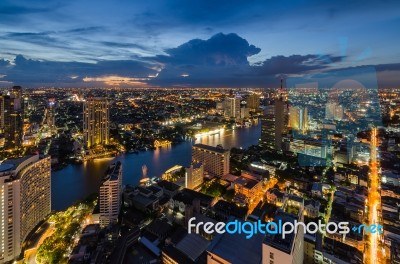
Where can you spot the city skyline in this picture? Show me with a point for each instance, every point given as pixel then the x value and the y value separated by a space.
pixel 199 132
pixel 204 44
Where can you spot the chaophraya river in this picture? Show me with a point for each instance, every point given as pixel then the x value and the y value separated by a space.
pixel 77 181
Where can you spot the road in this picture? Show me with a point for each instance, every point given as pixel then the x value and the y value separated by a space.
pixel 374 251
pixel 270 184
pixel 30 254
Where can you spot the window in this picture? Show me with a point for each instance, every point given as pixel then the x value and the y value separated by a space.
pixel 271 262
pixel 271 255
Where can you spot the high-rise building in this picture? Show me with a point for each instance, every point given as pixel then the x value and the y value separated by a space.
pixel 244 112
pixel 253 102
pixel 16 92
pixel 25 200
pixel 298 119
pixel 214 159
pixel 274 123
pixel 13 119
pixel 232 107
pixel 50 115
pixel 290 249
pixel 96 122
pixel 194 176
pixel 1 114
pixel 110 195
pixel 268 127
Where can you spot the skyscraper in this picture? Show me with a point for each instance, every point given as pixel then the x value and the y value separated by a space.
pixel 298 118
pixel 1 113
pixel 274 122
pixel 96 123
pixel 13 119
pixel 232 107
pixel 268 127
pixel 110 195
pixel 214 159
pixel 50 115
pixel 25 200
pixel 253 102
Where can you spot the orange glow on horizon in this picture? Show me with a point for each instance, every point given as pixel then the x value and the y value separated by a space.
pixel 115 80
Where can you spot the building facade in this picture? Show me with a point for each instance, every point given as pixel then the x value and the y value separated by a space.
pixel 50 115
pixel 12 118
pixel 110 195
pixel 274 123
pixel 232 107
pixel 253 102
pixel 25 200
pixel 194 176
pixel 214 159
pixel 290 249
pixel 1 113
pixel 298 119
pixel 96 122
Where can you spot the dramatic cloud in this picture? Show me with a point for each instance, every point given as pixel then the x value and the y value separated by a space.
pixel 220 61
pixel 220 50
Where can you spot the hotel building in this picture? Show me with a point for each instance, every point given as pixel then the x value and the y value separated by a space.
pixel 214 159
pixel 25 200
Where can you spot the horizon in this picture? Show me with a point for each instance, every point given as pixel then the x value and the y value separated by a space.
pixel 198 44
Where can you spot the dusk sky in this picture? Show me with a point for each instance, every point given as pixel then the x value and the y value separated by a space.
pixel 199 43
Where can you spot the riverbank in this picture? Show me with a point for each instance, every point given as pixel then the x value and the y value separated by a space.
pixel 77 181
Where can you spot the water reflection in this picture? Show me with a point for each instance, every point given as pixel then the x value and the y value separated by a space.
pixel 78 181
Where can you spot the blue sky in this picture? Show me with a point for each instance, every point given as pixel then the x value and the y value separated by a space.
pixel 193 43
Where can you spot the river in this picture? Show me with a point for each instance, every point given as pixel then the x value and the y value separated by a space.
pixel 78 181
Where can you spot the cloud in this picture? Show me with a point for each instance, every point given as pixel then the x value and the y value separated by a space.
pixel 4 63
pixel 220 49
pixel 220 61
pixel 12 10
pixel 215 61
pixel 33 73
pixel 297 64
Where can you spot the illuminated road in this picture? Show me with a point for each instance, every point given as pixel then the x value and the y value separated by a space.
pixel 253 204
pixel 374 251
pixel 30 254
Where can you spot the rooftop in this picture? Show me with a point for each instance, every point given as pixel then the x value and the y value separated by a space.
pixel 235 248
pixel 6 167
pixel 193 245
pixel 210 148
pixel 187 196
pixel 112 172
pixel 10 164
pixel 170 186
pixel 245 182
pixel 276 240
